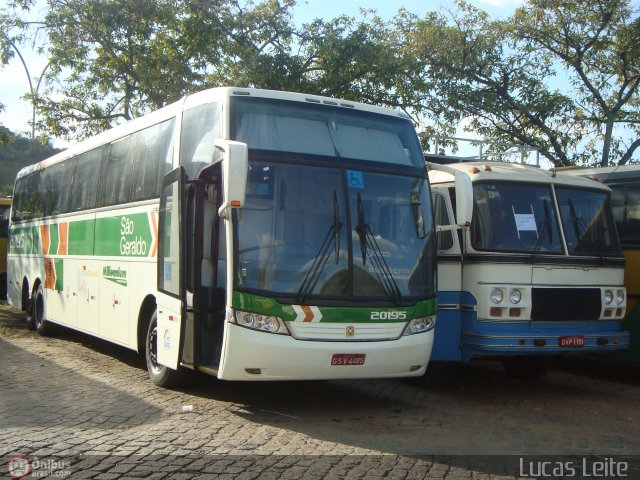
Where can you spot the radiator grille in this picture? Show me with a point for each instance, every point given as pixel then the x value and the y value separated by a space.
pixel 565 304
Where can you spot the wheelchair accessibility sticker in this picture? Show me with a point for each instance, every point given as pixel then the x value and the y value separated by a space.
pixel 355 179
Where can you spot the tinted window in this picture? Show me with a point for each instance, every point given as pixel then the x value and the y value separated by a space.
pixel 115 174
pixel 56 190
pixel 200 127
pixel 83 186
pixel 151 159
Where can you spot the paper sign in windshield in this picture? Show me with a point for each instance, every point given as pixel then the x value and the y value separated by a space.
pixel 525 222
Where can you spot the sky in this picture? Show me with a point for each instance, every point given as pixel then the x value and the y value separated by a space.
pixel 14 83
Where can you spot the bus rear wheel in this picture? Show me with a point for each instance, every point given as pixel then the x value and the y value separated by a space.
pixel 160 375
pixel 40 324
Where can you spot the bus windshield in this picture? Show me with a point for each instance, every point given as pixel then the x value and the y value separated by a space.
pixel 515 217
pixel 336 233
pixel 587 222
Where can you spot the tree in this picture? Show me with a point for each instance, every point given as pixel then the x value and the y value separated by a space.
pixel 503 75
pixel 112 61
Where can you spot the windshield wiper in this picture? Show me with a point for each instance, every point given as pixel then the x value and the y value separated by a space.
pixel 545 230
pixel 332 239
pixel 368 243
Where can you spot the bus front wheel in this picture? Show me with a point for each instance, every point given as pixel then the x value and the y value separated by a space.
pixel 160 375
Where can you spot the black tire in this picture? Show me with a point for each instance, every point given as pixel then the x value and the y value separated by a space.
pixel 37 305
pixel 159 374
pixel 28 311
pixel 528 367
pixel 3 286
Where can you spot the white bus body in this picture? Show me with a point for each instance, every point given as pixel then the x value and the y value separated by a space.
pixel 251 234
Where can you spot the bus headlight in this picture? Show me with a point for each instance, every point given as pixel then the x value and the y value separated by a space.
pixel 419 325
pixel 608 297
pixel 619 296
pixel 515 296
pixel 497 295
pixel 258 321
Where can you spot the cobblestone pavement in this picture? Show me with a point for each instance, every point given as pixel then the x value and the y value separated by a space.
pixel 74 406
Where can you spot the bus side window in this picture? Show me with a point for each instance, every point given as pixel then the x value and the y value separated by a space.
pixel 200 127
pixel 83 186
pixel 445 238
pixel 151 159
pixel 115 173
pixel 56 192
pixel 18 200
pixel 32 201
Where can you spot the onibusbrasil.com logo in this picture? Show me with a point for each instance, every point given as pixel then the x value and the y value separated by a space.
pixel 20 466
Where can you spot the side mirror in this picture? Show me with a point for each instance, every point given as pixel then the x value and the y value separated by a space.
pixel 464 199
pixel 235 166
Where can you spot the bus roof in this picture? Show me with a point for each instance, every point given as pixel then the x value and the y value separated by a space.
pixel 506 172
pixel 604 174
pixel 218 94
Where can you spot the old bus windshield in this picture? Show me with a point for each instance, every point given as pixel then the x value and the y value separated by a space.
pixel 515 217
pixel 336 233
pixel 587 222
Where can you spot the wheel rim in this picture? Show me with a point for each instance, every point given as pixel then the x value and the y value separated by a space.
pixel 152 344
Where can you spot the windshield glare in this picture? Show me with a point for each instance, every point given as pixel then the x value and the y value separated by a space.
pixel 296 220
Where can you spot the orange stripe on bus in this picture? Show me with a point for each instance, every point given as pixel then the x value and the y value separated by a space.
pixel 63 234
pixel 45 240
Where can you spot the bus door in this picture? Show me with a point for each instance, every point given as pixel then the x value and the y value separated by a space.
pixel 171 295
pixel 448 332
pixel 191 308
pixel 206 270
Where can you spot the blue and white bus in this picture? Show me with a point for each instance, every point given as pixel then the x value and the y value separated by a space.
pixel 529 266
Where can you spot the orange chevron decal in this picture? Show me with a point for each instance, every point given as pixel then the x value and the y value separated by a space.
pixel 154 233
pixel 63 235
pixel 308 314
pixel 45 239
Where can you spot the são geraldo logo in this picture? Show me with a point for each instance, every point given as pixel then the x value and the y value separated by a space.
pixel 19 467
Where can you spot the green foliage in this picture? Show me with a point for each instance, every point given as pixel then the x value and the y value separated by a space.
pixel 502 75
pixel 112 60
pixel 17 153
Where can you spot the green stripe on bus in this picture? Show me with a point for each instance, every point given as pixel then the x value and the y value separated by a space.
pixel 126 235
pixel 24 240
pixel 81 236
pixel 54 238
pixel 268 306
pixel 59 266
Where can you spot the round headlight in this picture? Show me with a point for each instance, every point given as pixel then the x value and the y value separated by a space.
pixel 608 297
pixel 515 296
pixel 619 296
pixel 497 295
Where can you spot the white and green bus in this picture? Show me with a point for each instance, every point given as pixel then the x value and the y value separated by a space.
pixel 250 234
